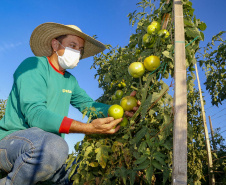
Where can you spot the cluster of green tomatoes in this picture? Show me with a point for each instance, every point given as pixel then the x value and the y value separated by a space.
pixel 137 70
pixel 126 104
pixel 152 62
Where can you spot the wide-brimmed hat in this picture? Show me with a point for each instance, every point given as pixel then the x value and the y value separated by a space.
pixel 41 37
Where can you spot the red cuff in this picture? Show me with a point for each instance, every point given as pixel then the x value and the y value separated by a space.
pixel 65 125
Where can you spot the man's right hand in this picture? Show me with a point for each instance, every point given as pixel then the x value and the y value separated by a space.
pixel 98 126
pixel 105 125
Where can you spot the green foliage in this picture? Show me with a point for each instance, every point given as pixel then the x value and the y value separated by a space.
pixel 2 108
pixel 2 113
pixel 141 153
pixel 213 62
pixel 219 157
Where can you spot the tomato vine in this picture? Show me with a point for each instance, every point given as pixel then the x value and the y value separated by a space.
pixel 142 152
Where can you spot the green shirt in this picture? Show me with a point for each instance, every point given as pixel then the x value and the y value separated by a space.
pixel 40 97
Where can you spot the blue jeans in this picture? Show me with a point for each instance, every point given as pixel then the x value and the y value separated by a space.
pixel 33 155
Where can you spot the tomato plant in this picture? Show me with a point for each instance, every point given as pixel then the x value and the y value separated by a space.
pixel 141 152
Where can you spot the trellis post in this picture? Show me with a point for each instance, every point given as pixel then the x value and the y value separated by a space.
pixel 209 154
pixel 212 134
pixel 180 101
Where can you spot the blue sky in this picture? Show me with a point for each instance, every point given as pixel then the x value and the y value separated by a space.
pixel 105 18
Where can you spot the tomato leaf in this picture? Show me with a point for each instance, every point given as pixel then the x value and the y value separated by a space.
pixel 149 174
pixel 143 165
pixel 102 155
pixel 77 146
pixel 202 26
pixel 158 156
pixel 192 32
pixel 140 134
pixel 141 159
pixel 156 164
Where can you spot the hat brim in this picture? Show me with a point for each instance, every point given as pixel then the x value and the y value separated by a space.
pixel 41 37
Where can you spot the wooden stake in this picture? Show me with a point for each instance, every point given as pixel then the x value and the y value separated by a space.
pixel 212 134
pixel 210 161
pixel 165 18
pixel 180 119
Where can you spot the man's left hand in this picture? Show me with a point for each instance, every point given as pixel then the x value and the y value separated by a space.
pixel 131 113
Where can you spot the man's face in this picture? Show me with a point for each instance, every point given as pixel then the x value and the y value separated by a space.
pixel 73 42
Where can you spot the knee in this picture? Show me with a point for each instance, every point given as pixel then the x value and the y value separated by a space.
pixel 55 149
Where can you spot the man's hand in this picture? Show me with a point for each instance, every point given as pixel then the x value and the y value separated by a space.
pixel 98 126
pixel 131 113
pixel 105 125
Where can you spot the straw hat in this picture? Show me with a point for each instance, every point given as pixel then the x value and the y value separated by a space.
pixel 41 37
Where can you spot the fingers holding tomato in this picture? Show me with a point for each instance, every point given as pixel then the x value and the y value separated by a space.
pixel 130 104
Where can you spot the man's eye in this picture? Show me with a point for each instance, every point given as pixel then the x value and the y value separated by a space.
pixel 72 45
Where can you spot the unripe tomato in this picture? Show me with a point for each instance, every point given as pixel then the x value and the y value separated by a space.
pixel 137 51
pixel 111 84
pixel 163 32
pixel 156 23
pixel 113 97
pixel 153 27
pixel 151 63
pixel 115 111
pixel 136 69
pixel 119 94
pixel 119 85
pixel 147 40
pixel 128 102
pixel 123 84
pixel 124 122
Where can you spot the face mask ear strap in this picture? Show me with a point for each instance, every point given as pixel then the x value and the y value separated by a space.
pixel 57 53
pixel 60 43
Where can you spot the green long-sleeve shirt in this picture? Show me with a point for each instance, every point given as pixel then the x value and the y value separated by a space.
pixel 40 97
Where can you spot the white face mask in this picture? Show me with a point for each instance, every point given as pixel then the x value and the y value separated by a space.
pixel 69 59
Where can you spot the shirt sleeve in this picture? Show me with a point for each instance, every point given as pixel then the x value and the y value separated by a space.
pixel 31 89
pixel 65 125
pixel 81 100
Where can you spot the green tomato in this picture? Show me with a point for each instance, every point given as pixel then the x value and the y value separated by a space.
pixel 115 111
pixel 124 122
pixel 153 27
pixel 123 84
pixel 163 32
pixel 156 23
pixel 151 63
pixel 113 97
pixel 147 40
pixel 137 51
pixel 118 94
pixel 136 69
pixel 128 102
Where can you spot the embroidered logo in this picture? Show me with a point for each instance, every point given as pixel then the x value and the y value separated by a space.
pixel 66 91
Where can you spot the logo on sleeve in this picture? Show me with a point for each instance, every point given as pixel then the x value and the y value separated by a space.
pixel 66 91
